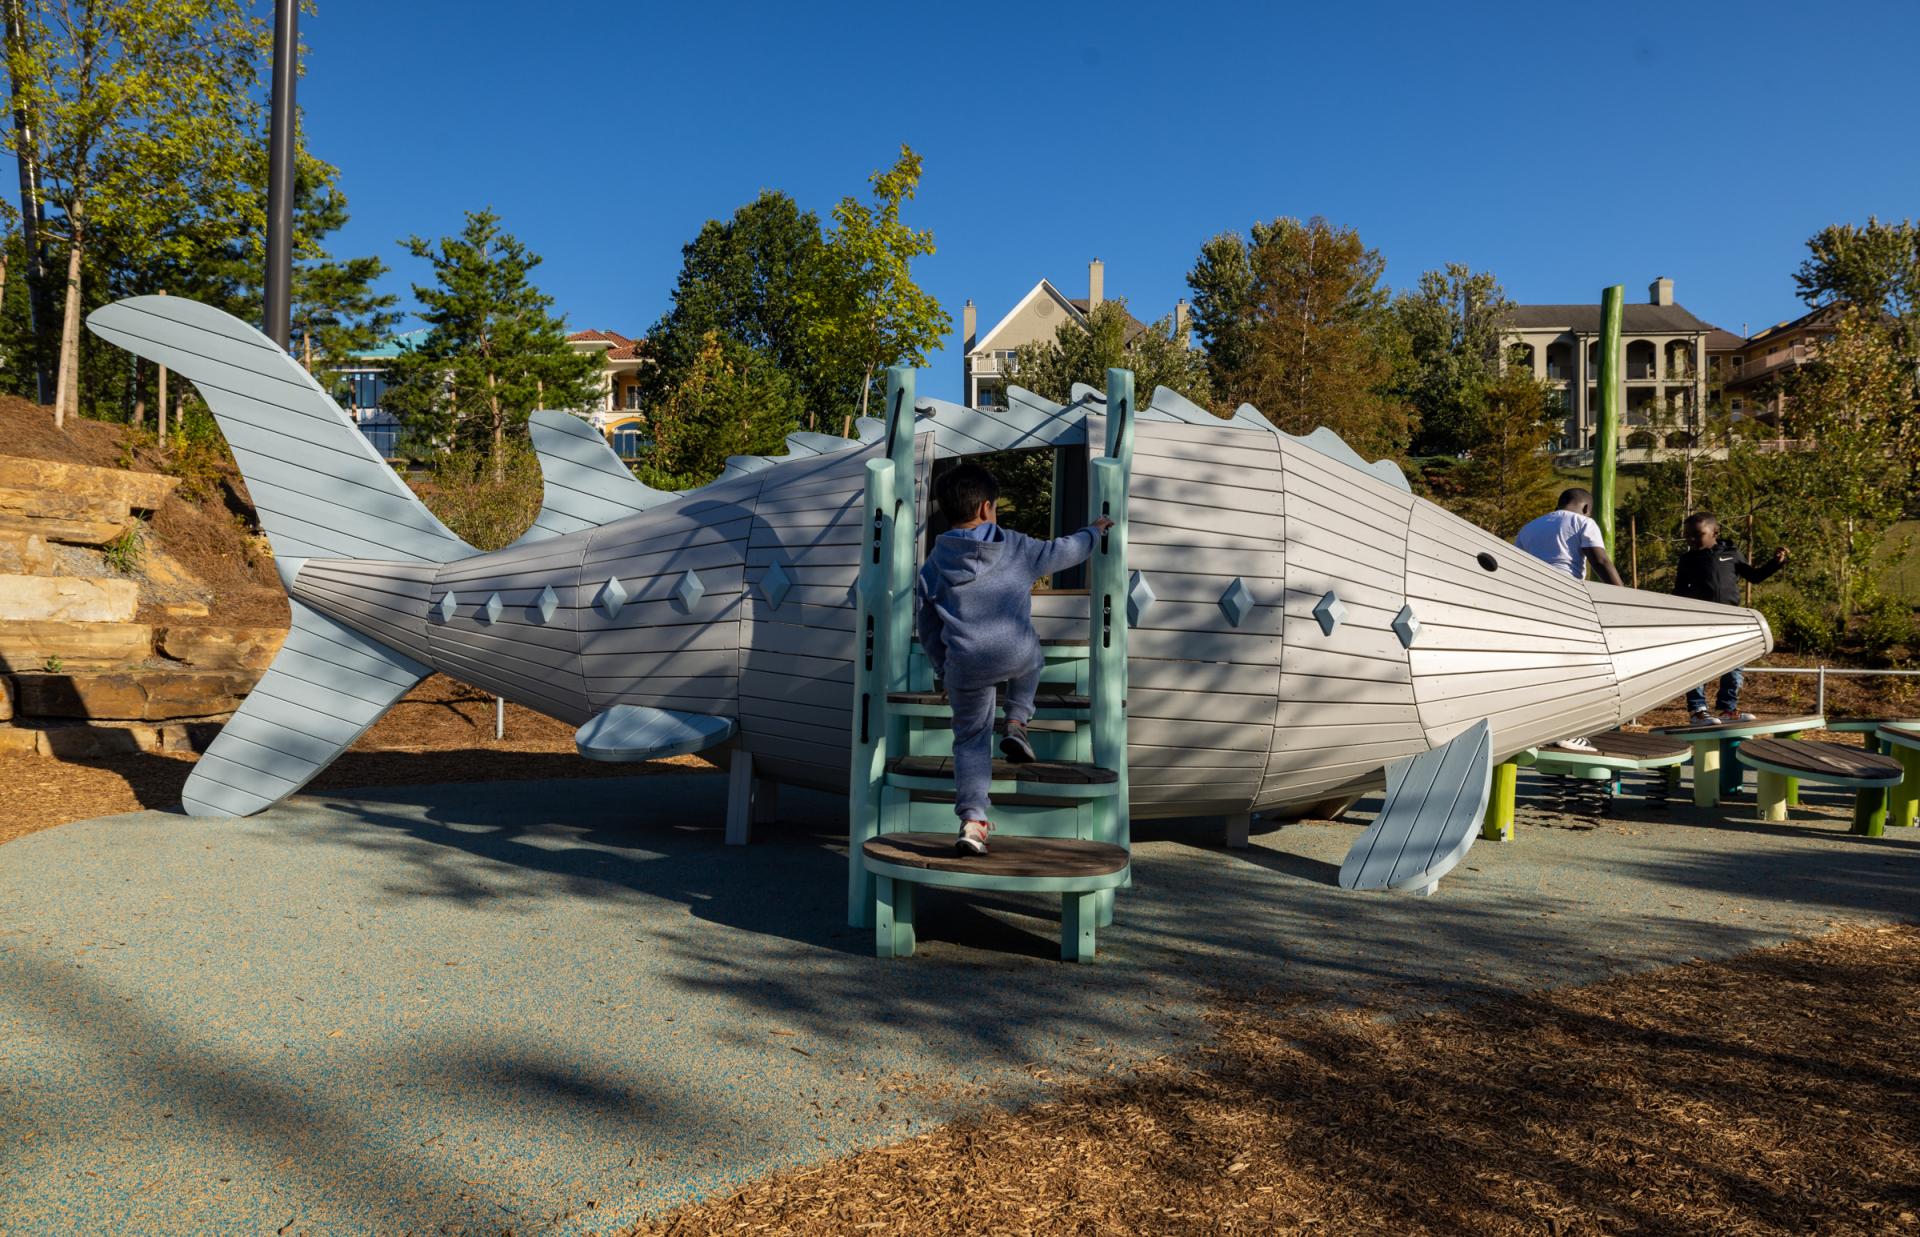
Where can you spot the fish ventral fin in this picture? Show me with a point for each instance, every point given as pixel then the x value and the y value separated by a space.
pixel 1429 818
pixel 586 482
pixel 326 686
pixel 629 732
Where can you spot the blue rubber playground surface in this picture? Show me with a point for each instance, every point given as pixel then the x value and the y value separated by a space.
pixel 559 1006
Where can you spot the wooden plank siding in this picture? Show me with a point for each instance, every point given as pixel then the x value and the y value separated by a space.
pixel 1657 640
pixel 1519 645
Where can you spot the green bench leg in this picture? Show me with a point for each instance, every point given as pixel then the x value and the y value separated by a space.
pixel 1903 802
pixel 1793 783
pixel 1733 774
pixel 1497 825
pixel 892 918
pixel 1870 811
pixel 1103 904
pixel 1706 772
pixel 1672 774
pixel 1078 912
pixel 1771 796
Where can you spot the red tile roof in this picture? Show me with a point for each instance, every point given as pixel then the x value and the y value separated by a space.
pixel 622 349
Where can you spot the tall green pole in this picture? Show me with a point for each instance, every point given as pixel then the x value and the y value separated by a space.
pixel 1606 444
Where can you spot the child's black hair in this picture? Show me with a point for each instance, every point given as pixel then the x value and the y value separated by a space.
pixel 961 492
pixel 1700 519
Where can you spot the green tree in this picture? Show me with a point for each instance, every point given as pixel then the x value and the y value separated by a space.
pixel 731 401
pixel 1310 334
pixel 1111 338
pixel 1855 401
pixel 1451 326
pixel 1508 477
pixel 126 97
pixel 493 351
pixel 1875 268
pixel 742 278
pixel 863 310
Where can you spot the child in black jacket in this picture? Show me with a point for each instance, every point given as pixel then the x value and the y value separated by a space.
pixel 1710 570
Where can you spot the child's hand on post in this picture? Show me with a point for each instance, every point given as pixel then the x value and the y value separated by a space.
pixel 1780 555
pixel 1103 524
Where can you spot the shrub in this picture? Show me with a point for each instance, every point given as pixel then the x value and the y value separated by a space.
pixel 1887 627
pixel 1798 626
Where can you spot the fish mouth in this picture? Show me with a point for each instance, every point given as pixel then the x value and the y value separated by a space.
pixel 1662 645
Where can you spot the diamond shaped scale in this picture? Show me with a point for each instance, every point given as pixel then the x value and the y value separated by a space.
pixel 1329 613
pixel 1140 597
pixel 1237 602
pixel 613 595
pixel 1406 625
pixel 448 607
pixel 688 592
pixel 491 611
pixel 546 604
pixel 775 585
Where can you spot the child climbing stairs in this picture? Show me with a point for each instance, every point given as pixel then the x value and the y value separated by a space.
pixel 1060 823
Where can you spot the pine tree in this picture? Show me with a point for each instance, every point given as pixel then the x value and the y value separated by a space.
pixel 1451 326
pixel 493 352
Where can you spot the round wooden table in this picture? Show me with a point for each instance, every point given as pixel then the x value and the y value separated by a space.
pixel 1868 726
pixel 1714 745
pixel 1870 774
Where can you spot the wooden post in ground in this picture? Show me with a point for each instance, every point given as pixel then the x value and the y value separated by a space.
pixel 1497 826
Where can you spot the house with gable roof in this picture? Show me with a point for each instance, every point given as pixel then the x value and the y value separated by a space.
pixel 1035 318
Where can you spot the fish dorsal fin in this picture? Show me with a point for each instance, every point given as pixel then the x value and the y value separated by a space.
pixel 803 445
pixel 1028 422
pixel 1178 407
pixel 1327 443
pixel 587 483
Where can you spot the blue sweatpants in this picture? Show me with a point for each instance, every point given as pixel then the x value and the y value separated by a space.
pixel 973 739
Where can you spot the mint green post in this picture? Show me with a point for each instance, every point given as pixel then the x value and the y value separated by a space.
pixel 903 533
pixel 1607 430
pixel 871 634
pixel 1107 612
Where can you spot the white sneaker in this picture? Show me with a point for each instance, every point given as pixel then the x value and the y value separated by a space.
pixel 1576 745
pixel 1735 715
pixel 973 838
pixel 1702 718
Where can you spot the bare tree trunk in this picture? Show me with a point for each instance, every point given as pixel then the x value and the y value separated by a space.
pixel 27 159
pixel 163 401
pixel 66 397
pixel 499 431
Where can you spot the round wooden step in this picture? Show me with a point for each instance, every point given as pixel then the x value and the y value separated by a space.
pixel 1821 762
pixel 1014 857
pixel 1047 772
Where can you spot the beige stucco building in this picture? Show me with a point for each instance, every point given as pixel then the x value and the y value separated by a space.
pixel 1672 359
pixel 1036 318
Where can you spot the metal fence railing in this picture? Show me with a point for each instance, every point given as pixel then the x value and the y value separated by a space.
pixel 1820 674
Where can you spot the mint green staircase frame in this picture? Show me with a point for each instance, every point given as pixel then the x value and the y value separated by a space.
pixel 886 662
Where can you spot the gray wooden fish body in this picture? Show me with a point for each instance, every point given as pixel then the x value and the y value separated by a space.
pixel 1299 619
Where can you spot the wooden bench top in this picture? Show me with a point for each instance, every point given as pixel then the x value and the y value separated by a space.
pixel 1041 700
pixel 1867 725
pixel 1618 745
pixel 1741 730
pixel 1049 772
pixel 1009 857
pixel 1820 762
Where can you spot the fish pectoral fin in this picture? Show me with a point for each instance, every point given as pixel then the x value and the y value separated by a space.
pixel 1429 818
pixel 629 732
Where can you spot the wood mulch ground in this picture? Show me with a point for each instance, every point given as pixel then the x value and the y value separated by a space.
pixel 1778 1092
pixel 442 731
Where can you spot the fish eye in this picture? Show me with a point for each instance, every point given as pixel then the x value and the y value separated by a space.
pixel 1488 561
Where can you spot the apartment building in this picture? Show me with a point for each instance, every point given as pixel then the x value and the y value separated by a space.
pixel 1672 359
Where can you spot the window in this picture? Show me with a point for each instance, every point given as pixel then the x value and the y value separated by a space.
pixel 383 431
pixel 630 442
pixel 365 388
pixel 633 398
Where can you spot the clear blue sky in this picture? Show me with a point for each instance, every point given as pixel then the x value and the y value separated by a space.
pixel 605 134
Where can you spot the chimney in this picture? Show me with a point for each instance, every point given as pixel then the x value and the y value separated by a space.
pixel 1096 284
pixel 969 327
pixel 1660 291
pixel 1180 322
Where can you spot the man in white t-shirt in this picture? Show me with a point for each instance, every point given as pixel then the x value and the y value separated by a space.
pixel 1569 539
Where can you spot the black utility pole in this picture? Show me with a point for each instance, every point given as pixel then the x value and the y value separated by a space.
pixel 286 44
pixel 27 158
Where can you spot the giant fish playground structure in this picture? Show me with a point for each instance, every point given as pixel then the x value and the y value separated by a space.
pixel 1273 624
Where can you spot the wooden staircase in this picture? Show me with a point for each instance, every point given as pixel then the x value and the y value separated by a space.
pixel 1061 824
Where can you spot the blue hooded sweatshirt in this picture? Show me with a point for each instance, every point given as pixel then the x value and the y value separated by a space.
pixel 976 600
